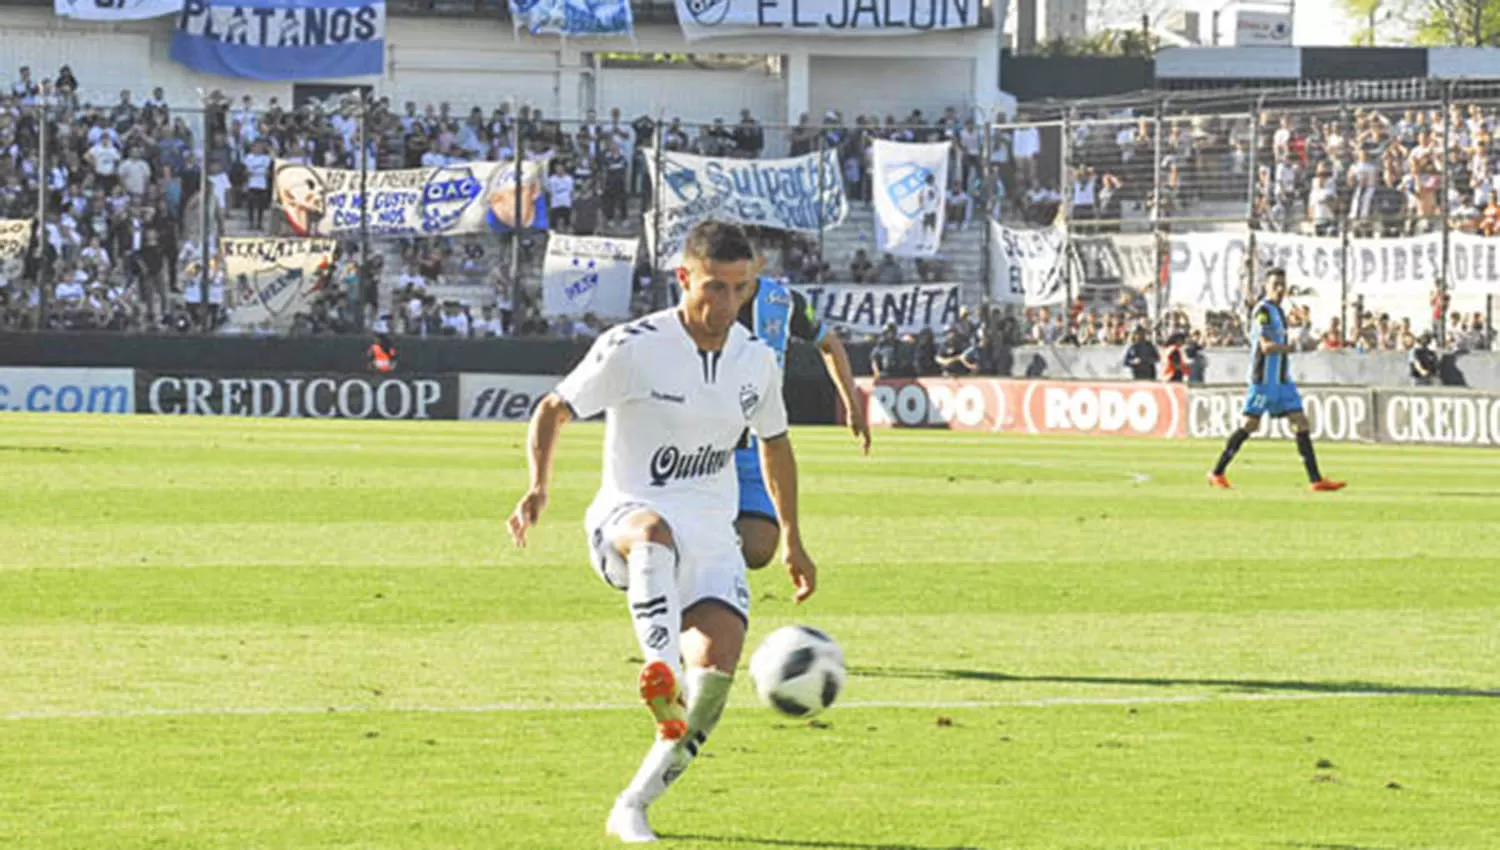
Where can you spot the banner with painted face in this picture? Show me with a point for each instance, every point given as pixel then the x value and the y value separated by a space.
pixel 588 274
pixel 573 17
pixel 798 193
pixel 470 197
pixel 866 309
pixel 1028 266
pixel 15 239
pixel 274 279
pixel 910 182
pixel 275 40
pixel 115 10
pixel 823 18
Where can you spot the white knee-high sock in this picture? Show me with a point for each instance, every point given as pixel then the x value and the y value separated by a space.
pixel 655 609
pixel 708 691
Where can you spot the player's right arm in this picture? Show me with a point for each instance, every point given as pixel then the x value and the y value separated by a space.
pixel 604 379
pixel 1267 332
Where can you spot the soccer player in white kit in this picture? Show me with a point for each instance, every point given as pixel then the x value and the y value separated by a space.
pixel 678 389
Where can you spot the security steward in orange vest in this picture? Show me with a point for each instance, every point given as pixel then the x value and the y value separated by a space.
pixel 382 354
pixel 1175 364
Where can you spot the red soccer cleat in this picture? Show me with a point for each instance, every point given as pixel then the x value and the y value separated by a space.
pixel 663 697
pixel 1326 485
pixel 1219 482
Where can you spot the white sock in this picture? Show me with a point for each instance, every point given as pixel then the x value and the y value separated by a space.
pixel 665 761
pixel 708 691
pixel 655 610
pixel 707 694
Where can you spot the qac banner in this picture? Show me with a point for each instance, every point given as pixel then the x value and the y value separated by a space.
pixel 275 40
pixel 799 193
pixel 588 274
pixel 573 17
pixel 469 197
pixel 909 194
pixel 867 309
pixel 720 18
pixel 115 10
pixel 274 279
pixel 1028 265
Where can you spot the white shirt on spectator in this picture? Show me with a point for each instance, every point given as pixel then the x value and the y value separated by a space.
pixel 106 159
pixel 69 290
pixel 1321 199
pixel 135 174
pixel 95 133
pixel 410 278
pixel 192 291
pixel 434 159
pixel 491 327
pixel 459 322
pixel 258 170
pixel 219 185
pixel 1364 175
pixel 216 289
pixel 1027 142
pixel 560 187
pixel 95 255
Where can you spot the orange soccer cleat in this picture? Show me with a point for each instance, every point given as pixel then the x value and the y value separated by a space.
pixel 1325 485
pixel 663 697
pixel 1219 482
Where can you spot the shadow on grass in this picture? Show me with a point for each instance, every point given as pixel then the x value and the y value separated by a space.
pixel 730 840
pixel 1246 685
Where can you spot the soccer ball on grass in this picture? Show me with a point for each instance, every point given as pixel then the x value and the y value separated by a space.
pixel 798 671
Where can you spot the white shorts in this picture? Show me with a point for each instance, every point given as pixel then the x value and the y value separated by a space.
pixel 709 563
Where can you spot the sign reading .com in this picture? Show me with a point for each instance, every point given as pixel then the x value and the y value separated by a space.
pixel 46 390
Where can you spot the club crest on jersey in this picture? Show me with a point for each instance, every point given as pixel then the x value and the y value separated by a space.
pixel 749 398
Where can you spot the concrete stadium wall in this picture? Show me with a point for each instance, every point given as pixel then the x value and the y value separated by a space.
pixel 481 62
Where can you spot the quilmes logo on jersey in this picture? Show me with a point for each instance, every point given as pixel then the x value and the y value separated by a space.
pixel 448 193
pixel 670 463
pixel 905 188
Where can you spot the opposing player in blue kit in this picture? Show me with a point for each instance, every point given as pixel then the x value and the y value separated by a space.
pixel 1272 391
pixel 777 315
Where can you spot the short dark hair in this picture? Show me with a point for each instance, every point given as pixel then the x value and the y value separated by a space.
pixel 718 242
pixel 1273 274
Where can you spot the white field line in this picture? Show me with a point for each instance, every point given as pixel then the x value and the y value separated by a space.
pixel 521 707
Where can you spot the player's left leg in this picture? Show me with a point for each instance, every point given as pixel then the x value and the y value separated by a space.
pixel 1303 431
pixel 1254 406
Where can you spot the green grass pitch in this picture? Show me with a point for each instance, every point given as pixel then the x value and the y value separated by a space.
pixel 298 635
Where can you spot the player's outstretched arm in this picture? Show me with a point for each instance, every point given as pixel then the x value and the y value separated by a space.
pixel 780 465
pixel 541 443
pixel 836 361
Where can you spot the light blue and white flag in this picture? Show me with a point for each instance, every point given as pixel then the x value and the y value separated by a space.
pixel 911 183
pixel 798 193
pixel 573 17
pixel 588 274
pixel 115 10
pixel 275 40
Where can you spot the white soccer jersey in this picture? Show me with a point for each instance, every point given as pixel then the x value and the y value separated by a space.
pixel 674 414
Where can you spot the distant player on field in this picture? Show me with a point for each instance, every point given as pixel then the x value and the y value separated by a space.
pixel 678 389
pixel 776 315
pixel 1271 389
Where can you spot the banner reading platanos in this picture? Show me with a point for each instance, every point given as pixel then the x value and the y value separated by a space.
pixel 823 18
pixel 784 194
pixel 274 279
pixel 469 197
pixel 910 193
pixel 588 274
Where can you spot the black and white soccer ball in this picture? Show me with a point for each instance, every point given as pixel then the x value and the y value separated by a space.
pixel 798 670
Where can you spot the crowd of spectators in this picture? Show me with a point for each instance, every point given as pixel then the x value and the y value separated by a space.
pixel 120 245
